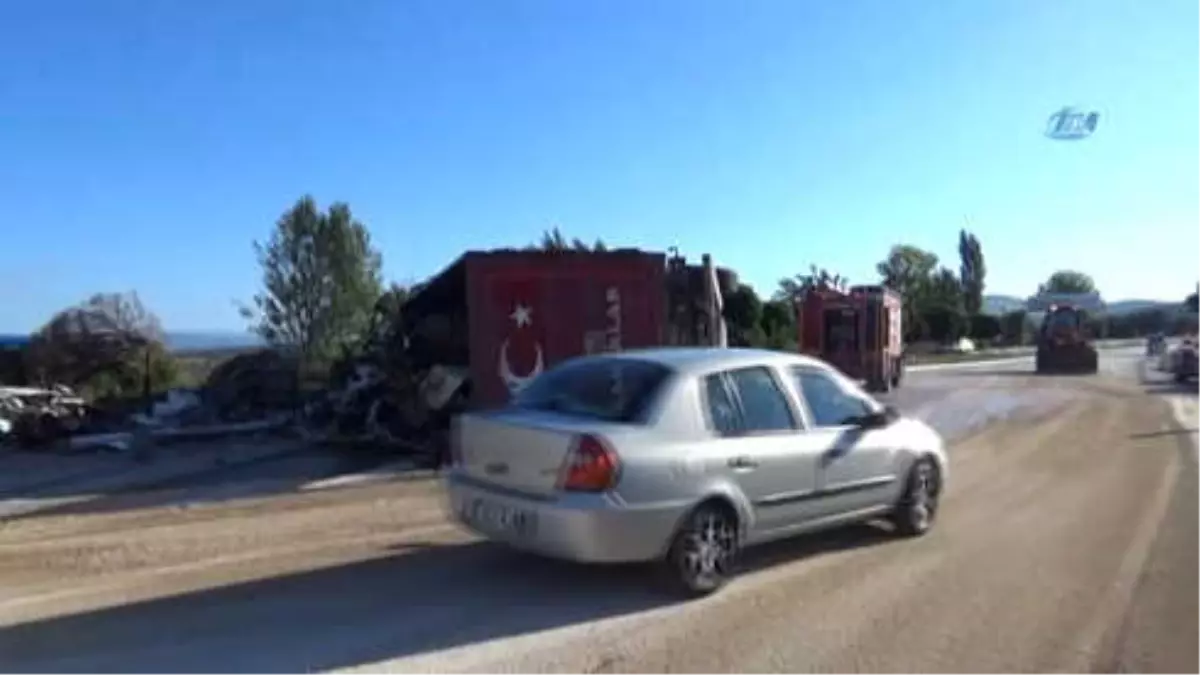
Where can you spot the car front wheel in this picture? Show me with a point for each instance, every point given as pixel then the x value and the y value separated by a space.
pixel 914 514
pixel 704 550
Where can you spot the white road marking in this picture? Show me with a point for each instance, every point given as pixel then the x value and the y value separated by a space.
pixel 962 365
pixel 1120 592
pixel 347 479
pixel 1188 415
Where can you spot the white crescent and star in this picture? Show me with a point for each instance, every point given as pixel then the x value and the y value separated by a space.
pixel 522 315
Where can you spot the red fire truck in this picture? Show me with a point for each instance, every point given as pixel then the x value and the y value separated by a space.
pixel 858 331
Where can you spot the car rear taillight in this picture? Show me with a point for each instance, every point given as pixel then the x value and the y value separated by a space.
pixel 592 466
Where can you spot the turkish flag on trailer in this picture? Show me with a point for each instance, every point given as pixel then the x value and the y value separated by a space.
pixel 518 307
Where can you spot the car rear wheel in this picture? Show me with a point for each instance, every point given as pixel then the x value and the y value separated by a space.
pixel 914 514
pixel 704 550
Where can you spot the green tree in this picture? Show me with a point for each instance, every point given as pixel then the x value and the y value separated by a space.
pixel 972 271
pixel 554 240
pixel 944 290
pixel 321 279
pixel 387 321
pixel 984 327
pixel 789 289
pixel 1192 303
pixel 941 305
pixel 779 325
pixel 743 317
pixel 1015 327
pixel 109 346
pixel 908 269
pixel 817 278
pixel 1068 281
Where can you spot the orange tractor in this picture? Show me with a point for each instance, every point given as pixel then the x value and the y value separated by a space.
pixel 1064 342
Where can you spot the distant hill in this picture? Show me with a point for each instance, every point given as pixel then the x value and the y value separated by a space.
pixel 1003 304
pixel 191 341
pixel 1130 306
pixel 13 339
pixel 177 341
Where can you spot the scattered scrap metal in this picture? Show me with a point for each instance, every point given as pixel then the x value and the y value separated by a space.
pixel 34 416
pixel 58 419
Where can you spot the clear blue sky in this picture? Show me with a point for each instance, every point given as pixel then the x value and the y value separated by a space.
pixel 146 143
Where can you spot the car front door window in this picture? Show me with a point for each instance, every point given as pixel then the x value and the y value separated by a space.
pixel 857 463
pixel 828 403
pixel 765 407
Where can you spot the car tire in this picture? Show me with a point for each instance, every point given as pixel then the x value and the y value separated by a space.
pixel 916 511
pixel 703 552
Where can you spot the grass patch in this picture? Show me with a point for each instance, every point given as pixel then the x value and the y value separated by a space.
pixel 196 365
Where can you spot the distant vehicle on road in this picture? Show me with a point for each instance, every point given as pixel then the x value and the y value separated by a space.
pixel 1064 345
pixel 1178 360
pixel 859 332
pixel 1164 359
pixel 1156 344
pixel 685 456
pixel 1183 361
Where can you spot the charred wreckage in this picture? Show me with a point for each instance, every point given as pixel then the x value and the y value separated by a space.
pixel 471 337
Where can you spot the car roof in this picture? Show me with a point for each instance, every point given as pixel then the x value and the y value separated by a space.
pixel 695 360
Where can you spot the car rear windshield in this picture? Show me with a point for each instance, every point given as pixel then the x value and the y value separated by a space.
pixel 609 389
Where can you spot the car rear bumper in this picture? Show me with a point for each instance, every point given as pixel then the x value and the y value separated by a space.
pixel 592 528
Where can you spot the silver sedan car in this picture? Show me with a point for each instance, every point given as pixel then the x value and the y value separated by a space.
pixel 687 455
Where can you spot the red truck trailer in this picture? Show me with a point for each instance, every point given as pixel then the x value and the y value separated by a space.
pixel 508 315
pixel 858 331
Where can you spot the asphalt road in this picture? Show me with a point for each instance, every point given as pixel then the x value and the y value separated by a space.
pixel 1067 541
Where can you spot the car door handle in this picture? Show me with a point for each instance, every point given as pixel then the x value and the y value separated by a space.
pixel 742 462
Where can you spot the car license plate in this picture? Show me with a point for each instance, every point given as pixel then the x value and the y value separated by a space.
pixel 499 518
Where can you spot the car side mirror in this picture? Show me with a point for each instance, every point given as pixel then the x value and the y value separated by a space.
pixel 880 419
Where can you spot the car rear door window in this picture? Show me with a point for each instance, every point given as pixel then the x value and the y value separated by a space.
pixel 723 413
pixel 828 403
pixel 764 406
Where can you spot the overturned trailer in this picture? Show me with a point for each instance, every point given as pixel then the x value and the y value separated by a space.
pixel 492 321
pixel 508 315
